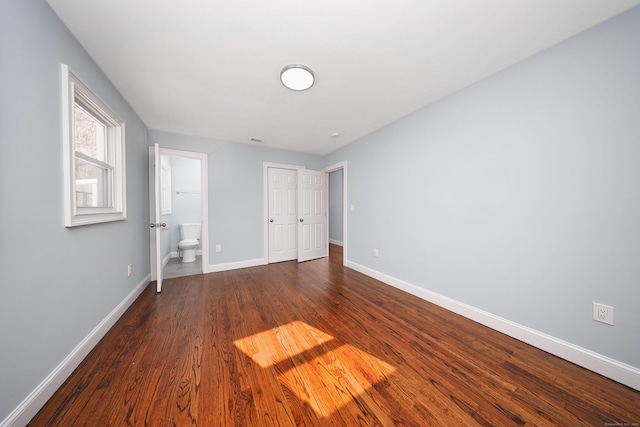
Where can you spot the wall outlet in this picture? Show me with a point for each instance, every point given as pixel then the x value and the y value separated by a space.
pixel 353 208
pixel 218 248
pixel 129 270
pixel 603 313
pixel 375 253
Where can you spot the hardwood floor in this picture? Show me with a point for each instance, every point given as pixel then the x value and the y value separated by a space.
pixel 319 344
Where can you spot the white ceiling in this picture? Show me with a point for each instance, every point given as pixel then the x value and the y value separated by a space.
pixel 211 68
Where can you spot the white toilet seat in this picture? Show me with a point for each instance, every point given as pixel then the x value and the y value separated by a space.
pixel 188 242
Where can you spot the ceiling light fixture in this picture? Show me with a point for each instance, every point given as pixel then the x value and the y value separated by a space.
pixel 297 77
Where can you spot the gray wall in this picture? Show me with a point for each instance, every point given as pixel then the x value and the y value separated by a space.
pixel 236 200
pixel 56 284
pixel 519 195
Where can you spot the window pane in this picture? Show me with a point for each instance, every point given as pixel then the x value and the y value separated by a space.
pixel 92 186
pixel 90 134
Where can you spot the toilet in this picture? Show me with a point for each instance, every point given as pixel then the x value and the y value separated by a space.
pixel 189 241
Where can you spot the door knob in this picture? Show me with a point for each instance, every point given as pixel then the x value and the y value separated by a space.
pixel 271 220
pixel 163 225
pixel 152 225
pixel 301 220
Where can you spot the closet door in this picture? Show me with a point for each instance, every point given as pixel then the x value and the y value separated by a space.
pixel 283 218
pixel 312 215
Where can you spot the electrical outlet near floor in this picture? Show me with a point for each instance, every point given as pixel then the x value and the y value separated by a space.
pixel 218 248
pixel 603 313
pixel 129 270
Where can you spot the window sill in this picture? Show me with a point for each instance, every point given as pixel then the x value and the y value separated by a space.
pixel 94 218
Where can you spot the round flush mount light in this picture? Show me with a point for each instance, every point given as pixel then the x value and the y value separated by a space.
pixel 297 77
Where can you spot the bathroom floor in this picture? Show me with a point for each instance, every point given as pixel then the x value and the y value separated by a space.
pixel 176 268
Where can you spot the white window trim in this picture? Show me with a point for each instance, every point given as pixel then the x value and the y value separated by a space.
pixel 73 88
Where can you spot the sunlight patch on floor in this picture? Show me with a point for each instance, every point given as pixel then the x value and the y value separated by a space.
pixel 271 347
pixel 321 372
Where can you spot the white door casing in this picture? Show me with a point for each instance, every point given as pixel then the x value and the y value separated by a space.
pixel 312 214
pixel 282 213
pixel 157 262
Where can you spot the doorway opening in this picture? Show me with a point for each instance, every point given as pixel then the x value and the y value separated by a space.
pixel 338 208
pixel 184 211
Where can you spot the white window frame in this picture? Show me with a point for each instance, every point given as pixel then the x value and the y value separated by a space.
pixel 74 89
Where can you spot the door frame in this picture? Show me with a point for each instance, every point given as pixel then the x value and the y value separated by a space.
pixel 204 197
pixel 335 167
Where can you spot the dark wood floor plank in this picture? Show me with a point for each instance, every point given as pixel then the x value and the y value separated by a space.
pixel 316 344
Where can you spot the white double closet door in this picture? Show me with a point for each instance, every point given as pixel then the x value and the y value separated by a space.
pixel 298 224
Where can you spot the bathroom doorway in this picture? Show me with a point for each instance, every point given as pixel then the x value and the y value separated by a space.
pixel 184 206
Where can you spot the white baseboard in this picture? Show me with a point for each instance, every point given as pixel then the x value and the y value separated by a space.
pixel 336 242
pixel 603 365
pixel 235 265
pixel 30 406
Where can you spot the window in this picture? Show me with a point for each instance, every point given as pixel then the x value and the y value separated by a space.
pixel 94 160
